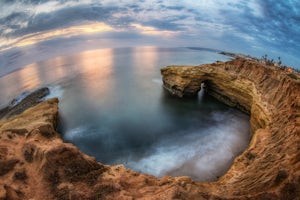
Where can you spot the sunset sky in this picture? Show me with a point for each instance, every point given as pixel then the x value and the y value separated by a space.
pixel 255 27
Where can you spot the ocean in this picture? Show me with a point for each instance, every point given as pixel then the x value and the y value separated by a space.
pixel 113 107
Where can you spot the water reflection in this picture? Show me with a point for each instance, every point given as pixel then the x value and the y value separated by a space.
pixel 145 58
pixel 23 80
pixel 95 68
pixel 56 71
pixel 58 67
pixel 113 107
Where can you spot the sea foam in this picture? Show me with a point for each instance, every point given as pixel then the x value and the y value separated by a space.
pixel 55 91
pixel 202 155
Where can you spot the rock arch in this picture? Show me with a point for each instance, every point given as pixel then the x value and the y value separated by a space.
pixel 271 97
pixel 36 164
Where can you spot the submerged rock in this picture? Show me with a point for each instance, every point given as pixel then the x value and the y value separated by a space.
pixel 37 164
pixel 23 102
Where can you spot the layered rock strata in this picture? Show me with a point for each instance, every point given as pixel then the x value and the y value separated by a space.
pixel 270 167
pixel 36 164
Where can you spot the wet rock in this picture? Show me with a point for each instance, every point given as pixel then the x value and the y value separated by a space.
pixel 18 106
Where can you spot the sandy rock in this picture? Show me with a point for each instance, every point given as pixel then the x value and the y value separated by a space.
pixel 270 167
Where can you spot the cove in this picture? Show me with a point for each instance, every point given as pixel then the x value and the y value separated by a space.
pixel 33 151
pixel 113 107
pixel 125 117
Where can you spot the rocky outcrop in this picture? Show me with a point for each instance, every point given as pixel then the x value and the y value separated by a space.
pixel 270 167
pixel 23 102
pixel 36 164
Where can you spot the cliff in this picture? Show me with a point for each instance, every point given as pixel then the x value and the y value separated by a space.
pixel 35 163
pixel 270 167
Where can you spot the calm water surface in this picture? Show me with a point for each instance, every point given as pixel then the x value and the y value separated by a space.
pixel 113 107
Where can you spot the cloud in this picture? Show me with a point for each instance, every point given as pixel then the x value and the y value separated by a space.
pixel 149 30
pixel 87 29
pixel 61 18
pixel 268 24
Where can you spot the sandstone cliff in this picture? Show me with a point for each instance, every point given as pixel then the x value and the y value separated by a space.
pixel 270 167
pixel 36 164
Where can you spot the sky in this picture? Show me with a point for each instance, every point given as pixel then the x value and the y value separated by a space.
pixel 255 27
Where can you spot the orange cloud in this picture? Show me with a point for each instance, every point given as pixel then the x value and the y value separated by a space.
pixel 30 39
pixel 149 30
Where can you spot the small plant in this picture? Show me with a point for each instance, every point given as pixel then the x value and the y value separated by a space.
pixel 270 62
pixel 279 61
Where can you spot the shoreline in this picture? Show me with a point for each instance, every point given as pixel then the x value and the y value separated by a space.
pixel 39 164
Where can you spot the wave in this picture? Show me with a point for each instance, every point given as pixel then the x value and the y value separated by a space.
pixel 202 154
pixel 55 91
pixel 77 132
pixel 157 81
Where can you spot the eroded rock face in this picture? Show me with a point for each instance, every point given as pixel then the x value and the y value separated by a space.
pixel 36 164
pixel 271 164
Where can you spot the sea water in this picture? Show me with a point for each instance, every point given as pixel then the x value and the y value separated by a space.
pixel 113 107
